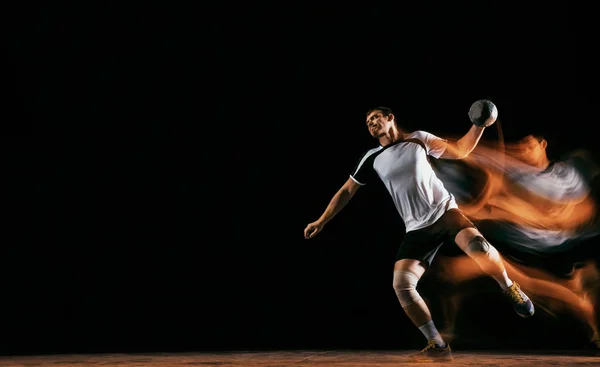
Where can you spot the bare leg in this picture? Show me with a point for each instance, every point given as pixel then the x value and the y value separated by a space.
pixel 407 273
pixel 413 305
pixel 484 254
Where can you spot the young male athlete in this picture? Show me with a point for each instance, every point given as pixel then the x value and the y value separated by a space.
pixel 429 211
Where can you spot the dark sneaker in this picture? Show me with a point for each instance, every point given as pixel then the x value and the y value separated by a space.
pixel 521 303
pixel 433 353
pixel 596 339
pixel 594 343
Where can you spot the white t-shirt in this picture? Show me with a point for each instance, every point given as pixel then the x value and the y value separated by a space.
pixel 418 194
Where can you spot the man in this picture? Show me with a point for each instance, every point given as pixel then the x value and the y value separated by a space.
pixel 430 214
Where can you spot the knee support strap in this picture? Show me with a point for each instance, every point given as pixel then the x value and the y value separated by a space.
pixel 405 286
pixel 478 244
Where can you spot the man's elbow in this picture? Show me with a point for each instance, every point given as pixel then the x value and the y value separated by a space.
pixel 456 154
pixel 463 151
pixel 464 154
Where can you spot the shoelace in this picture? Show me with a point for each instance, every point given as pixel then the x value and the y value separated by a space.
pixel 515 294
pixel 430 345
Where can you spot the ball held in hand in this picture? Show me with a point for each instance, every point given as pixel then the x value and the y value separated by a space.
pixel 483 113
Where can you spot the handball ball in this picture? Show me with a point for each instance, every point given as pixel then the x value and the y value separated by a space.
pixel 483 113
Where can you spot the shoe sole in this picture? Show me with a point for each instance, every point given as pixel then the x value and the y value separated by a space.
pixel 434 360
pixel 525 316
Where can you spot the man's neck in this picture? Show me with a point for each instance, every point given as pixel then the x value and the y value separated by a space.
pixel 543 164
pixel 391 138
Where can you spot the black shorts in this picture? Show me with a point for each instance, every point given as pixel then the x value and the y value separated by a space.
pixel 422 244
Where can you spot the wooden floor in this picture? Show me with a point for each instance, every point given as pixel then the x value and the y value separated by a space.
pixel 304 358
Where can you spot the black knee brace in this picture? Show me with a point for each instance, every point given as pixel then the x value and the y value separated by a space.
pixel 479 244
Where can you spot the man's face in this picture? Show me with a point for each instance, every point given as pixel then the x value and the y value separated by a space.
pixel 378 124
pixel 531 151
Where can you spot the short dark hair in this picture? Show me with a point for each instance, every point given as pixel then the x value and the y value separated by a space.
pixel 538 137
pixel 386 111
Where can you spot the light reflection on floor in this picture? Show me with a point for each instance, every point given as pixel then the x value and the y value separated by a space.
pixel 308 358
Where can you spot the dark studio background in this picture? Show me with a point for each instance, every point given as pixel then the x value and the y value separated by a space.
pixel 162 160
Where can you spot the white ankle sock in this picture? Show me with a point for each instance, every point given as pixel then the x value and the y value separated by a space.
pixel 431 333
pixel 503 280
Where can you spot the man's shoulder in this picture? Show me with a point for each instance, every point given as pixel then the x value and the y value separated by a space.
pixel 419 134
pixel 372 151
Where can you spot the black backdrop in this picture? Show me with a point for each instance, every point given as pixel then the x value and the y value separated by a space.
pixel 162 160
